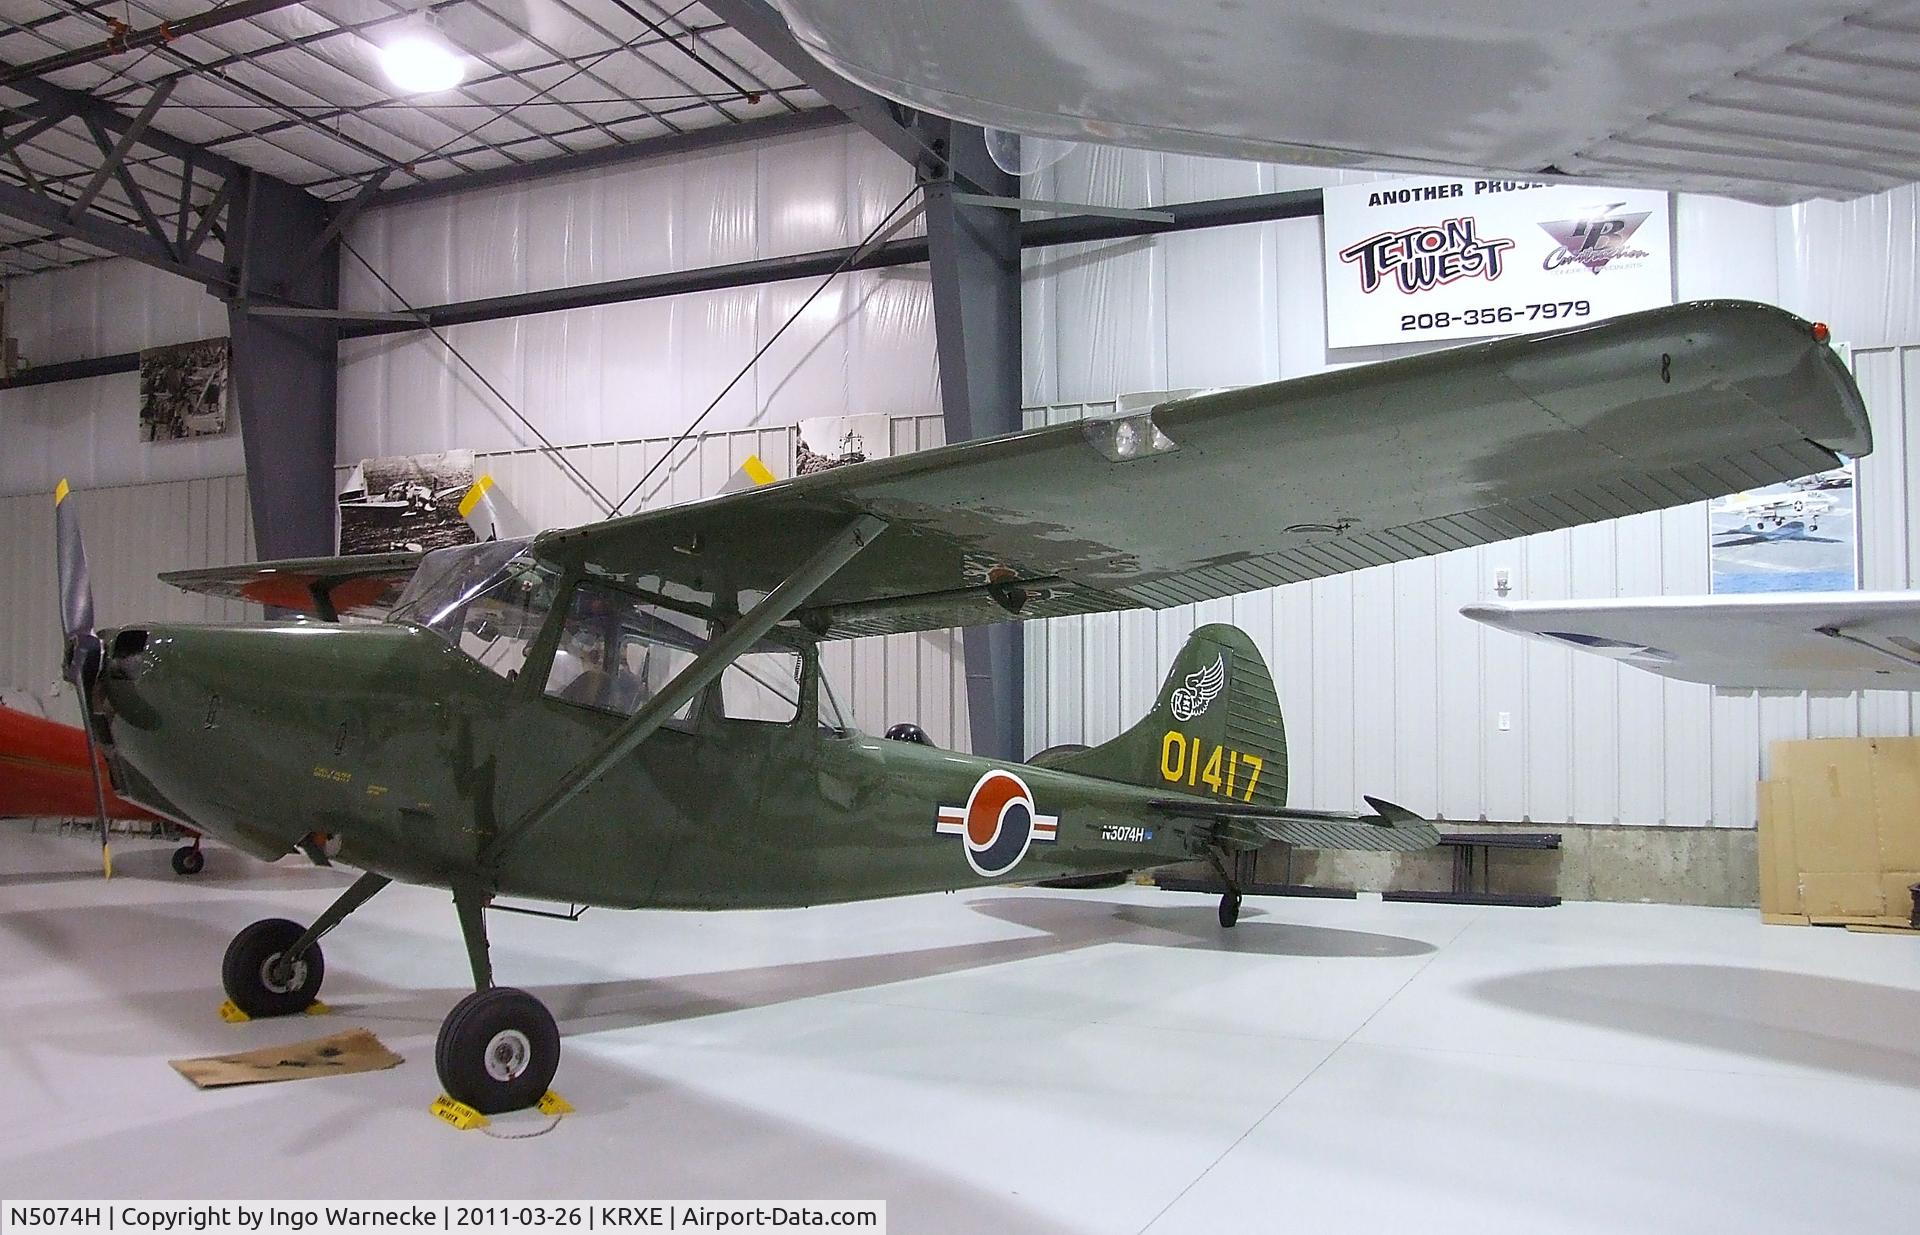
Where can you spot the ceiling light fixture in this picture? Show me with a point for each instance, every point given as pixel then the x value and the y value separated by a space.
pixel 422 62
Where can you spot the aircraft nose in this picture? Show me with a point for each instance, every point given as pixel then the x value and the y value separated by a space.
pixel 118 693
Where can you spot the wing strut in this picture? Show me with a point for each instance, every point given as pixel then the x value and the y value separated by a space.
pixel 723 651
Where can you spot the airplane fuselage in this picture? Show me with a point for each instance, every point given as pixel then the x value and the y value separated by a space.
pixel 391 748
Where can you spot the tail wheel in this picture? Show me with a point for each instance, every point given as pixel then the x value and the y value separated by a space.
pixel 498 1050
pixel 258 979
pixel 188 860
pixel 1229 909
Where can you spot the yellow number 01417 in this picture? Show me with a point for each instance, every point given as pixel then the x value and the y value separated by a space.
pixel 1219 772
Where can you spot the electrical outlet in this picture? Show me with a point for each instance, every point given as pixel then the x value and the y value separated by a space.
pixel 1502 581
pixel 1505 721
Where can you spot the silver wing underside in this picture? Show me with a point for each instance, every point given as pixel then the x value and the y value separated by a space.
pixel 1774 101
pixel 1816 641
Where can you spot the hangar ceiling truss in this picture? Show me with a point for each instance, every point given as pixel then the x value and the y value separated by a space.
pixel 120 119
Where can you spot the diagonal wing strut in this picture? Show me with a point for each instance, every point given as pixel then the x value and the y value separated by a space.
pixel 793 592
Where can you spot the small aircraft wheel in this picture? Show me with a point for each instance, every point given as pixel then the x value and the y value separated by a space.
pixel 1229 909
pixel 254 977
pixel 188 860
pixel 498 1050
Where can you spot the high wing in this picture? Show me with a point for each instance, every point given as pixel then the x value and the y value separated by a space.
pixel 354 584
pixel 369 584
pixel 1814 641
pixel 364 585
pixel 1238 490
pixel 1775 101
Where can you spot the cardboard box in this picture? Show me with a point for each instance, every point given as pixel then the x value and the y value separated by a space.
pixel 1896 893
pixel 1840 829
pixel 1779 864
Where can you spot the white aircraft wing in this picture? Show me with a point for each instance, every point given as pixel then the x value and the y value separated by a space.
pixel 1774 101
pixel 1810 641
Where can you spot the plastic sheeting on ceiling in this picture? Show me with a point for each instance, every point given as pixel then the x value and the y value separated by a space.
pixel 1774 101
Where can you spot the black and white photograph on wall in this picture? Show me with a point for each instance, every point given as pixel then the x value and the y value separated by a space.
pixel 185 390
pixel 1792 537
pixel 835 441
pixel 406 503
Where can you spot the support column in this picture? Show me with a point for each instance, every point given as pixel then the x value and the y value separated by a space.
pixel 975 256
pixel 285 369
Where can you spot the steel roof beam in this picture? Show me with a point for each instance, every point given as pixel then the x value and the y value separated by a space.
pixel 665 146
pixel 166 31
pixel 51 214
pixel 49 99
pixel 1034 233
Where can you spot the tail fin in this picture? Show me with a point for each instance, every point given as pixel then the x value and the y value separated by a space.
pixel 1215 728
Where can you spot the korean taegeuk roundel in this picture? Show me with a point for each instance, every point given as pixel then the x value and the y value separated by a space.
pixel 998 824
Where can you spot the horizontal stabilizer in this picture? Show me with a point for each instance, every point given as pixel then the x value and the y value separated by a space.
pixel 1390 829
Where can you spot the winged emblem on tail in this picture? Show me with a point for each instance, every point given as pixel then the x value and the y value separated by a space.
pixel 1201 687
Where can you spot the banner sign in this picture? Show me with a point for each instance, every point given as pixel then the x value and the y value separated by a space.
pixel 1416 259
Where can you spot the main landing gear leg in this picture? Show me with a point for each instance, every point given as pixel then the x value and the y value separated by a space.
pixel 273 968
pixel 1230 899
pixel 498 1049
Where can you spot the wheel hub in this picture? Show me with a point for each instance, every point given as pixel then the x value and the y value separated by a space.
pixel 282 976
pixel 508 1055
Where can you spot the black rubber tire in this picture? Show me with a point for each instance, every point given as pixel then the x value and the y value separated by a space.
pixel 1229 909
pixel 475 1029
pixel 243 970
pixel 188 860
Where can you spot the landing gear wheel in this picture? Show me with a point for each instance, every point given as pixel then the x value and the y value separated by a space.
pixel 188 860
pixel 497 1051
pixel 1229 908
pixel 256 980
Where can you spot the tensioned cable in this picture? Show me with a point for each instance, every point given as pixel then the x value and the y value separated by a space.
pixel 540 93
pixel 567 465
pixel 854 255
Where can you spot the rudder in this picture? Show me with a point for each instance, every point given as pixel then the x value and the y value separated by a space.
pixel 1215 728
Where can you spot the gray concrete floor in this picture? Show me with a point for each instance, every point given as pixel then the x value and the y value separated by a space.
pixel 1007 1060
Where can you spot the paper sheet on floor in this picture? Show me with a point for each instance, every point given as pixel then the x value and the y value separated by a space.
pixel 355 1050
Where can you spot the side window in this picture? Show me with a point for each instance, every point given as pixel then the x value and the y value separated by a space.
pixel 762 686
pixel 615 653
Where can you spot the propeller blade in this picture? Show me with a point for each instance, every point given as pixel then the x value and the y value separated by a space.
pixel 488 512
pixel 84 652
pixel 99 790
pixel 750 475
pixel 76 588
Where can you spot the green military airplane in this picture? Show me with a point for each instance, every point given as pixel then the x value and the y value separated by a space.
pixel 632 713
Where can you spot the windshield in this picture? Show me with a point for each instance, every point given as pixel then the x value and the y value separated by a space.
pixel 489 600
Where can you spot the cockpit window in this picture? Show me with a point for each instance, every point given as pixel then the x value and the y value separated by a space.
pixel 616 652
pixel 489 600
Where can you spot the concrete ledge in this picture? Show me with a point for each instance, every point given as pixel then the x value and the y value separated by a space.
pixel 1595 862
